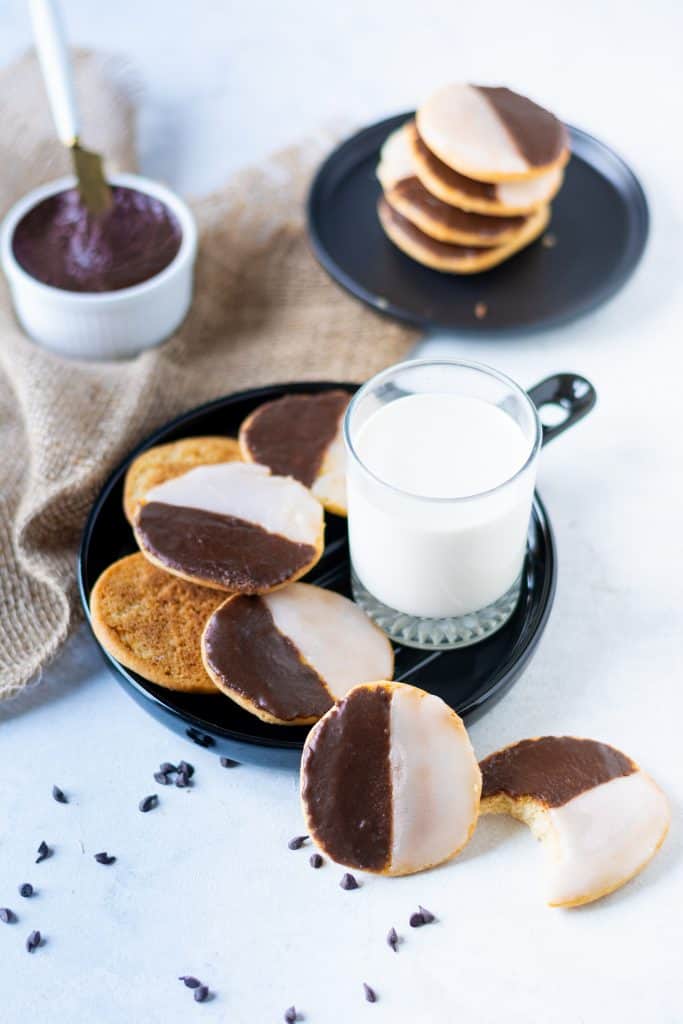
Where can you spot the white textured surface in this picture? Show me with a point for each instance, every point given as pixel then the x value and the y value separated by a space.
pixel 205 884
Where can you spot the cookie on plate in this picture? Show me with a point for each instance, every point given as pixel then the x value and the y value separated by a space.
pixel 600 818
pixel 455 259
pixel 389 781
pixel 232 526
pixel 289 655
pixel 167 461
pixel 301 436
pixel 152 623
pixel 406 194
pixel 491 133
pixel 502 199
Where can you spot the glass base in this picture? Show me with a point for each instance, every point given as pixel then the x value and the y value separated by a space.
pixel 437 634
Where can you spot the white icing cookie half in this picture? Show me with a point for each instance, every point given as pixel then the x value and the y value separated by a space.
pixel 231 526
pixel 600 818
pixel 289 655
pixel 491 133
pixel 389 780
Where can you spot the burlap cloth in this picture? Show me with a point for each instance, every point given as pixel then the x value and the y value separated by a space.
pixel 263 311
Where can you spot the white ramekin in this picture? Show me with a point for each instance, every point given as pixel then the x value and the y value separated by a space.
pixel 102 325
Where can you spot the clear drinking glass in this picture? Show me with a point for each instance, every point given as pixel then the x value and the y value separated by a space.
pixel 439 572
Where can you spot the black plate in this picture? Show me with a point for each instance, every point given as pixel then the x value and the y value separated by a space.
pixel 600 220
pixel 469 679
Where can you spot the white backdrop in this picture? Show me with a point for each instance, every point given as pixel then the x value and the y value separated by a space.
pixel 205 884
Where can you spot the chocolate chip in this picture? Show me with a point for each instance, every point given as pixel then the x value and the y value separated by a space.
pixel 26 890
pixel 480 310
pixel 7 916
pixel 182 780
pixel 427 915
pixel 186 769
pixel 315 860
pixel 228 762
pixel 349 882
pixel 148 803
pixel 201 993
pixel 167 768
pixel 417 920
pixel 370 993
pixel 393 939
pixel 162 779
pixel 297 842
pixel 44 852
pixel 33 941
pixel 59 796
pixel 104 858
pixel 189 981
pixel 291 1016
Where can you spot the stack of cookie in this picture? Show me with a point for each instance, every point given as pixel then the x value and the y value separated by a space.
pixel 468 183
pixel 225 527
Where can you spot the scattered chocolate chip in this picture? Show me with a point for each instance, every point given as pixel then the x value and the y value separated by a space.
pixel 297 842
pixel 33 941
pixel 104 858
pixel 393 939
pixel 427 915
pixel 549 240
pixel 370 993
pixel 26 890
pixel 186 769
pixel 315 860
pixel 291 1016
pixel 480 310
pixel 7 916
pixel 162 778
pixel 182 780
pixel 417 920
pixel 59 796
pixel 228 762
pixel 44 852
pixel 148 803
pixel 167 768
pixel 201 993
pixel 189 981
pixel 348 882
pixel 200 738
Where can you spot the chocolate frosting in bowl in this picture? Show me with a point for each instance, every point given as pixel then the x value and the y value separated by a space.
pixel 61 244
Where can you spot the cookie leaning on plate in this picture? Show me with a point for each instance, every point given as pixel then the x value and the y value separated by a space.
pixel 600 818
pixel 152 623
pixel 288 656
pixel 167 461
pixel 492 134
pixel 406 194
pixel 389 780
pixel 232 526
pixel 455 259
pixel 301 436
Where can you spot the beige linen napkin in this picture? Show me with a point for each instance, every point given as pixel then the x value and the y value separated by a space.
pixel 263 311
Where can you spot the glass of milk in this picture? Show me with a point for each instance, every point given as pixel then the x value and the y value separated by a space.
pixel 441 467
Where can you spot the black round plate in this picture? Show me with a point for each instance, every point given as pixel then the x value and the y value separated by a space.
pixel 469 679
pixel 599 219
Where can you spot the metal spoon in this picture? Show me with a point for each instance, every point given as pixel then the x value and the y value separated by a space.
pixel 56 67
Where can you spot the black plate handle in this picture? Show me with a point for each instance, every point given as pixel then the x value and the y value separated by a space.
pixel 575 395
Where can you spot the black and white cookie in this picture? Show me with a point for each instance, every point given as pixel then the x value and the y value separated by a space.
pixel 389 780
pixel 231 526
pixel 289 655
pixel 601 818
